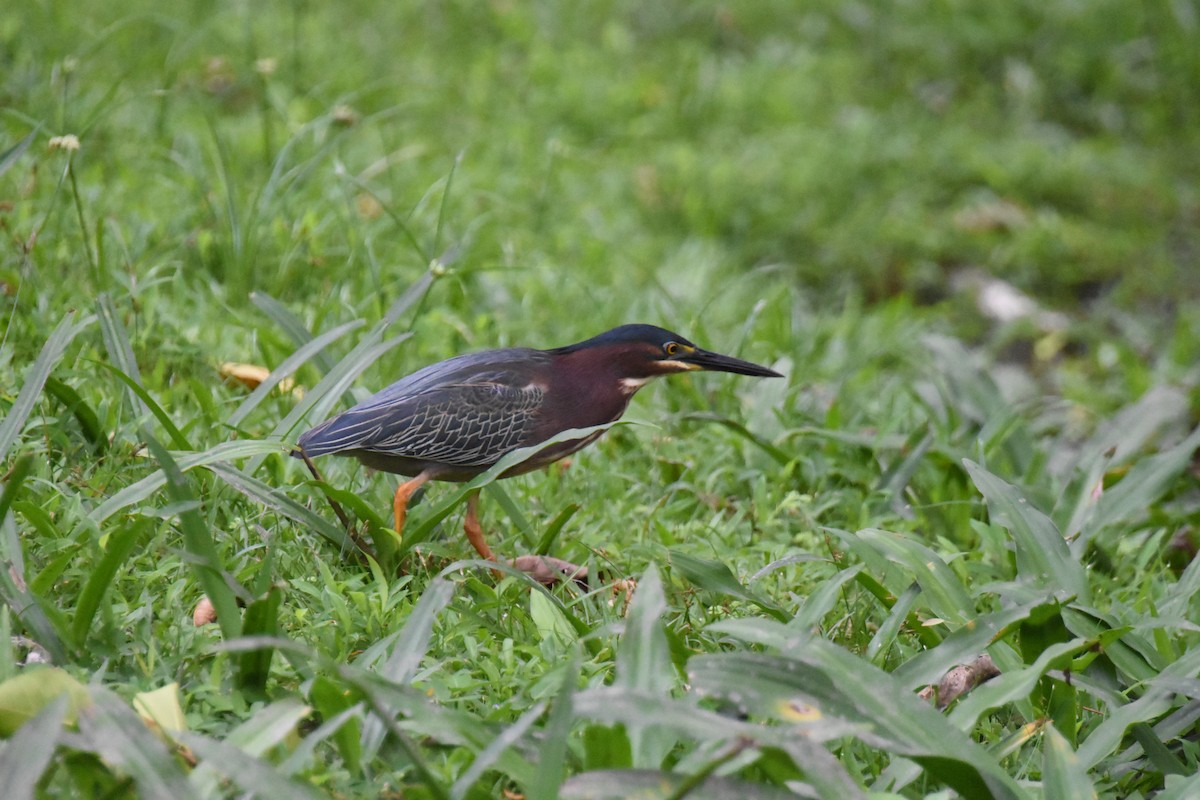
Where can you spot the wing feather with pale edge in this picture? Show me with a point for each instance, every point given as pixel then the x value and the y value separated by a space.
pixel 468 411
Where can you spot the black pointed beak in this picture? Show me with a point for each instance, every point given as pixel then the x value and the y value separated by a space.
pixel 715 362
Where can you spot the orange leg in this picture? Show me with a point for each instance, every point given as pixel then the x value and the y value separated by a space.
pixel 474 529
pixel 404 493
pixel 543 569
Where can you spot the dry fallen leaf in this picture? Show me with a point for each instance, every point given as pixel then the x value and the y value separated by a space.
pixel 251 375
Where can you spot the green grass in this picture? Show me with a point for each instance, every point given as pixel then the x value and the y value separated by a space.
pixel 346 193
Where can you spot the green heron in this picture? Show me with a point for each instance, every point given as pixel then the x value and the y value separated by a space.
pixel 453 420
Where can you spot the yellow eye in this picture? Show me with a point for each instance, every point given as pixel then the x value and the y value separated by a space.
pixel 670 348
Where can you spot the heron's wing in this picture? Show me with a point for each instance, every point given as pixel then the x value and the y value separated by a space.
pixel 472 420
pixel 466 425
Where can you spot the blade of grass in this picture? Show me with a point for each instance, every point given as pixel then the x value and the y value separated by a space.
pixel 644 664
pixel 147 404
pixel 260 619
pixel 13 586
pixel 299 358
pixel 35 378
pixel 552 755
pixel 120 351
pixel 89 423
pixel 252 774
pixel 509 736
pixel 1138 491
pixel 714 576
pixel 406 654
pixel 1063 776
pixel 292 326
pixel 947 596
pixel 280 503
pixel 114 732
pixel 12 154
pixel 199 543
pixel 1043 557
pixel 119 547
pixel 148 486
pixel 841 684
pixel 28 752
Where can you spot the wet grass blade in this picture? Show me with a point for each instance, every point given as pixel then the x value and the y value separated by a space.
pixel 35 379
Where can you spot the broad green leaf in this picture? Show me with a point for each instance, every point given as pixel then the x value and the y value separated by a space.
pixel 619 706
pixel 84 414
pixel 261 618
pixel 714 576
pixel 27 753
pixel 111 729
pixel 648 784
pixel 22 698
pixel 548 618
pixel 821 601
pixel 822 680
pixel 1180 788
pixel 1063 776
pixel 644 665
pixel 1156 700
pixel 243 769
pixel 1138 491
pixel 1043 557
pixel 615 705
pixel 947 596
pixel 963 644
pixel 1117 440
pixel 161 707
